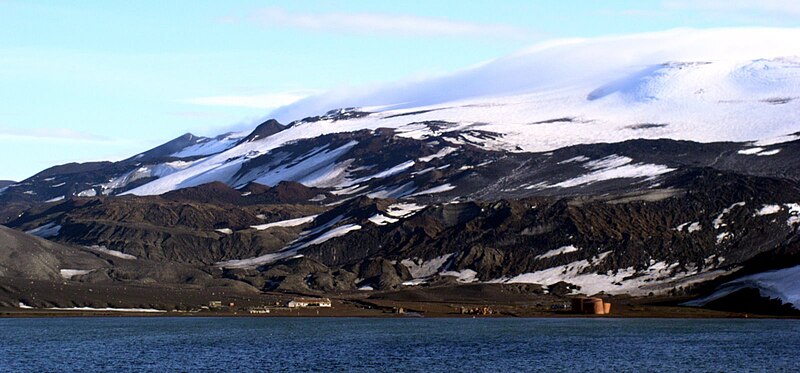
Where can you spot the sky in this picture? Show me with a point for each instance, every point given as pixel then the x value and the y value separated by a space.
pixel 99 80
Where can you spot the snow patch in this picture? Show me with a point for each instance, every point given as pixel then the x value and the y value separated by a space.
pixel 612 167
pixel 403 210
pixel 87 193
pixel 393 192
pixel 300 243
pixel 70 273
pixel 768 210
pixel 690 227
pixel 421 269
pixel 286 223
pixel 759 151
pixel 658 278
pixel 333 233
pixel 590 283
pixel 440 154
pixel 209 146
pixel 46 231
pixel 381 219
pixel 115 253
pixel 769 152
pixel 578 159
pixel 436 189
pixel 386 173
pixel 751 151
pixel 555 252
pixel 143 172
pixel 349 190
pixel 464 276
pixel 316 168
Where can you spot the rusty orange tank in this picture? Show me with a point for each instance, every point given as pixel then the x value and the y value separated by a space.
pixel 594 306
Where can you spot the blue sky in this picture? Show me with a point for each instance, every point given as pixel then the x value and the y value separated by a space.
pixel 102 80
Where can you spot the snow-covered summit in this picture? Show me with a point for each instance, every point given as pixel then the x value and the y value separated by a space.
pixel 699 85
pixel 560 64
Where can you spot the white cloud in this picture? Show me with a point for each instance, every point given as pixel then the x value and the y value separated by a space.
pixel 777 7
pixel 259 101
pixel 392 24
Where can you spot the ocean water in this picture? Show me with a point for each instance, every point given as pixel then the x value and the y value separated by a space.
pixel 164 344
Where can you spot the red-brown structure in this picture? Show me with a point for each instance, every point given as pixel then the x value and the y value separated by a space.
pixel 590 306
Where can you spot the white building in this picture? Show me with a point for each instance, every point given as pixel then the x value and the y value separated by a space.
pixel 309 302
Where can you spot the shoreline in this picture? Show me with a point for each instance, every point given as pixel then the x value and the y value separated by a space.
pixel 460 301
pixel 698 314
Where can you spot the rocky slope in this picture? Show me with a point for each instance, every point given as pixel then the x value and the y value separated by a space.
pixel 698 225
pixel 670 172
pixel 389 212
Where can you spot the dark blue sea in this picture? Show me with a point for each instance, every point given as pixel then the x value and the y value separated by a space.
pixel 162 344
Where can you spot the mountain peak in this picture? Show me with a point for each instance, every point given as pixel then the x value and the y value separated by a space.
pixel 264 130
pixel 168 148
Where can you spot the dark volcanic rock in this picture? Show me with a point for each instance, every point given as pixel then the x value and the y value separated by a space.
pixel 562 288
pixel 216 192
pixel 296 275
pixel 285 192
pixel 264 130
pixel 26 256
pixel 152 228
pixel 382 274
pixel 170 147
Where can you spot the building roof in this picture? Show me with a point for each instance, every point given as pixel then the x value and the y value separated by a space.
pixel 311 300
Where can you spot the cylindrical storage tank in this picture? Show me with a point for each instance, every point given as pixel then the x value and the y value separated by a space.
pixel 594 306
pixel 607 307
pixel 577 305
pixel 599 309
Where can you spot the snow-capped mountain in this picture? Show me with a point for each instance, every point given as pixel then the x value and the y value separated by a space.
pixel 729 85
pixel 705 86
pixel 638 164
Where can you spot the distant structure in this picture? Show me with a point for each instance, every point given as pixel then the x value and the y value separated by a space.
pixel 309 302
pixel 590 306
pixel 482 311
pixel 259 310
pixel 215 304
